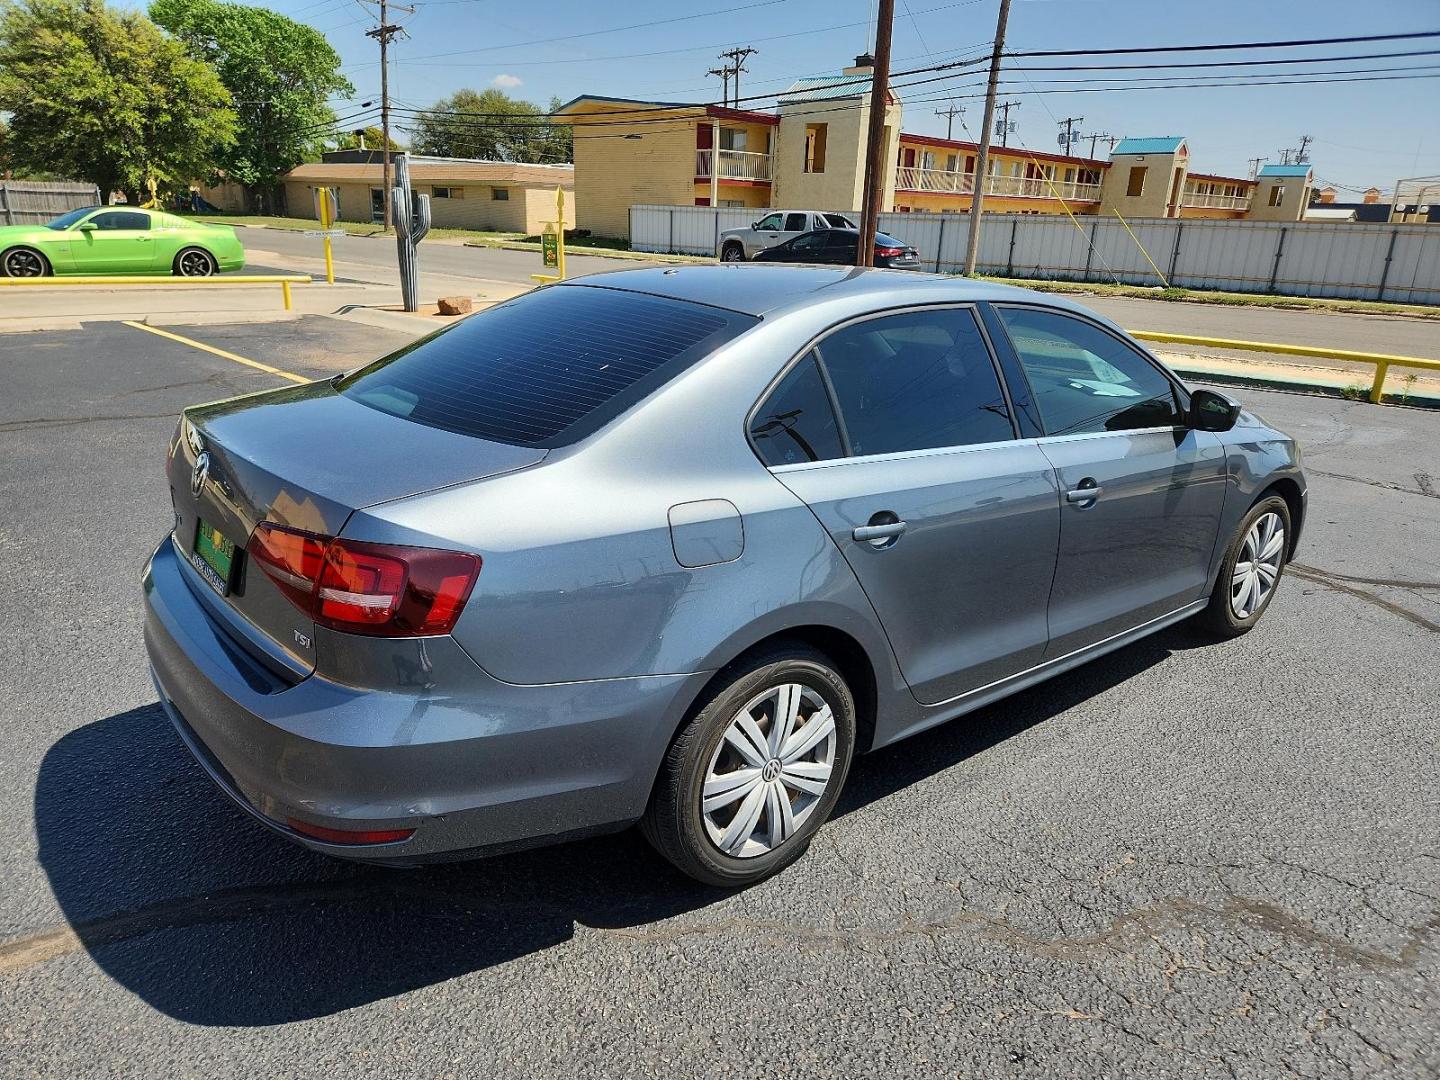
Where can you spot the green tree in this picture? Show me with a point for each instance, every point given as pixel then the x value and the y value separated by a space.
pixel 99 95
pixel 279 73
pixel 490 125
pixel 374 140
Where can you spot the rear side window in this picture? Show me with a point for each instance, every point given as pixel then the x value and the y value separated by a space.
pixel 794 222
pixel 916 381
pixel 547 368
pixel 796 423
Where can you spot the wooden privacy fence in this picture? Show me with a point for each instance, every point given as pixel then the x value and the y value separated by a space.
pixel 1348 260
pixel 34 202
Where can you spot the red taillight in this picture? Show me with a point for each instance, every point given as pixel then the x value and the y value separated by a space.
pixel 889 251
pixel 379 589
pixel 349 836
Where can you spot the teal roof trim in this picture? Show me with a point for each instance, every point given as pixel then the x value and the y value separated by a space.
pixel 1285 170
pixel 1167 144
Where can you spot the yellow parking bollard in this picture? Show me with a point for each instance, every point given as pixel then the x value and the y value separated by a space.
pixel 1377 388
pixel 285 288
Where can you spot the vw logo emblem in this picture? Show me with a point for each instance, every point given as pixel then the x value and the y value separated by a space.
pixel 200 473
pixel 770 771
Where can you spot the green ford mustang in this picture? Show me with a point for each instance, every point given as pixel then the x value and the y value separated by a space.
pixel 119 240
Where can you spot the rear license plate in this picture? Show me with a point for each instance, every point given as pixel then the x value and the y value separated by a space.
pixel 213 556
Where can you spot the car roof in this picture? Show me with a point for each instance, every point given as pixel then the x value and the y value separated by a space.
pixel 763 288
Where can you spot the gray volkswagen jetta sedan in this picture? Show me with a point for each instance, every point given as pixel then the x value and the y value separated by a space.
pixel 672 546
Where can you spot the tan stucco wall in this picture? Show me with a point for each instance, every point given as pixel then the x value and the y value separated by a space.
pixel 842 185
pixel 1297 197
pixel 525 211
pixel 1154 201
pixel 614 173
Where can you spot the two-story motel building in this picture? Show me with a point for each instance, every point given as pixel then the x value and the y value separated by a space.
pixel 810 152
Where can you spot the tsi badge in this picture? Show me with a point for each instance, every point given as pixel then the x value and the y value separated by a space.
pixel 200 473
pixel 301 640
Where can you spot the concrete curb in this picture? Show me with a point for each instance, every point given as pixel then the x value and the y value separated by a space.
pixel 1292 384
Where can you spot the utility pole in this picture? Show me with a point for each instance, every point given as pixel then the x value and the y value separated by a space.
pixel 1006 127
pixel 1069 137
pixel 1285 155
pixel 982 160
pixel 1255 163
pixel 724 73
pixel 737 58
pixel 950 114
pixel 875 160
pixel 1301 157
pixel 1095 137
pixel 383 33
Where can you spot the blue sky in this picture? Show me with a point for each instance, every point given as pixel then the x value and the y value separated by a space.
pixel 1364 132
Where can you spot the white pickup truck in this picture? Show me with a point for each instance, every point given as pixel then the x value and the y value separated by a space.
pixel 739 245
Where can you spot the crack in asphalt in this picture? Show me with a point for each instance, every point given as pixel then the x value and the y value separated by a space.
pixel 1337 583
pixel 1424 489
pixel 1122 936
pixel 73 421
pixel 1389 582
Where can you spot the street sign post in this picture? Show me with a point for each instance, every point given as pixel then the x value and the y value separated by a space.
pixel 552 243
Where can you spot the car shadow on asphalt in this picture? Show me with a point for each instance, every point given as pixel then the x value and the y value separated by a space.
pixel 182 900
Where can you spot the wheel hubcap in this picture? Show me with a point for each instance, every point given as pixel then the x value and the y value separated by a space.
pixel 731 255
pixel 1258 565
pixel 194 264
pixel 24 264
pixel 769 772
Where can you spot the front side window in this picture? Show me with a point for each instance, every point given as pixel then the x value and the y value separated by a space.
pixel 64 221
pixel 1086 380
pixel 796 423
pixel 121 219
pixel 915 381
pixel 770 221
pixel 546 368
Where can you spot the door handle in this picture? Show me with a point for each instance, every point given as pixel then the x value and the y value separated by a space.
pixel 884 532
pixel 1087 492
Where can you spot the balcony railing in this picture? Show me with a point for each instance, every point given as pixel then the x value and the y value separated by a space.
pixel 942 181
pixel 1215 202
pixel 734 165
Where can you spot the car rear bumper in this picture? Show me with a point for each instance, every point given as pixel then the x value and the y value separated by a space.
pixel 474 767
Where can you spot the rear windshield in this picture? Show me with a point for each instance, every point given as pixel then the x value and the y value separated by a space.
pixel 886 240
pixel 547 368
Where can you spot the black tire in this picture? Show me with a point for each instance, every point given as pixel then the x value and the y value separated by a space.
pixel 1220 617
pixel 24 262
pixel 194 262
pixel 674 823
pixel 732 253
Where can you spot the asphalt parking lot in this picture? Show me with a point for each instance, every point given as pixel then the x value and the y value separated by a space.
pixel 1187 859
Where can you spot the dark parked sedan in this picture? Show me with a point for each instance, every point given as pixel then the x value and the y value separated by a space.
pixel 671 546
pixel 838 246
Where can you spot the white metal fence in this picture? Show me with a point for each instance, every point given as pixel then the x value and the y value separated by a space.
pixel 1313 258
pixel 33 202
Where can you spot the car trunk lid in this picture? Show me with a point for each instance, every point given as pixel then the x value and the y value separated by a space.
pixel 305 457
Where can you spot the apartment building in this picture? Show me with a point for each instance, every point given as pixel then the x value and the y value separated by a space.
pixel 810 152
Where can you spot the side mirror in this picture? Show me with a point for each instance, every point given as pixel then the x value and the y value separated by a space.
pixel 1213 411
pixel 754 225
pixel 86 226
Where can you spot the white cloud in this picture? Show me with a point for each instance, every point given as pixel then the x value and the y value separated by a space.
pixel 507 82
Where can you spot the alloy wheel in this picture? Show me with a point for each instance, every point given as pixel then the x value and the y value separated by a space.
pixel 1258 565
pixel 22 263
pixel 732 254
pixel 195 264
pixel 770 771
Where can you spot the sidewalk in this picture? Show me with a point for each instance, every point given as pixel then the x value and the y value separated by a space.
pixel 1348 380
